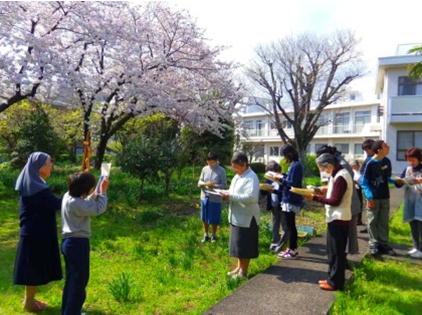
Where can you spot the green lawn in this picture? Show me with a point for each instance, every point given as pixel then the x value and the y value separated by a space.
pixel 384 287
pixel 155 244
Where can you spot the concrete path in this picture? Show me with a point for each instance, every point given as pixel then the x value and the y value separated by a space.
pixel 290 286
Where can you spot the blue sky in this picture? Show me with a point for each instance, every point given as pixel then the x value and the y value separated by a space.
pixel 242 25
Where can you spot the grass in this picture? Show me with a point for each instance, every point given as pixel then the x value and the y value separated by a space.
pixel 146 257
pixel 384 287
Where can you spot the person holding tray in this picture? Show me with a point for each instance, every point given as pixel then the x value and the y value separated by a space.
pixel 244 214
pixel 274 197
pixel 212 176
pixel 338 203
pixel 291 203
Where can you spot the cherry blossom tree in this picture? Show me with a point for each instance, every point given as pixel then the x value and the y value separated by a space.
pixel 123 61
pixel 30 33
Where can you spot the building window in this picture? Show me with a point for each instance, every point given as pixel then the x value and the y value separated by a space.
pixel 407 140
pixel 408 86
pixel 259 151
pixel 341 123
pixel 259 128
pixel 323 121
pixel 342 147
pixel 274 151
pixel 249 128
pixel 285 124
pixel 362 118
pixel 358 149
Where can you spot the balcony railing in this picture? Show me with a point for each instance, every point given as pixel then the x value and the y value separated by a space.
pixel 406 108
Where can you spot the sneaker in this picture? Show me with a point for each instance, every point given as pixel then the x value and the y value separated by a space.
pixel 417 254
pixel 412 251
pixel 205 239
pixel 289 254
pixel 374 251
pixel 273 246
pixel 387 250
pixel 213 239
pixel 284 252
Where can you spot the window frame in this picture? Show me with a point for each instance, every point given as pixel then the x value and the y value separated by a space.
pixel 411 82
pixel 413 132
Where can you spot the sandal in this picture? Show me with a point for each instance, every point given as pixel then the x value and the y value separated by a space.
pixel 37 307
pixel 326 286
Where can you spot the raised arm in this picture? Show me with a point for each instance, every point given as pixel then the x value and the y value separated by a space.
pixel 92 206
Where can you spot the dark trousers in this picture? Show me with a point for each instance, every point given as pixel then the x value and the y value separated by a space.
pixel 337 235
pixel 76 256
pixel 290 234
pixel 278 221
pixel 416 230
pixel 360 195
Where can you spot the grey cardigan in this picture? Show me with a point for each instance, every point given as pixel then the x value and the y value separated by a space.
pixel 76 213
pixel 217 175
pixel 244 194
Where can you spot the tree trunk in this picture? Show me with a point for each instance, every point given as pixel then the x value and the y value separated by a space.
pixel 141 190
pixel 167 179
pixel 101 148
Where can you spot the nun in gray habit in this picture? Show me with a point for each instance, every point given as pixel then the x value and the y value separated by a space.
pixel 38 257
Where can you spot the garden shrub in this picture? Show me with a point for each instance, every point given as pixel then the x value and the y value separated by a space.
pixel 258 167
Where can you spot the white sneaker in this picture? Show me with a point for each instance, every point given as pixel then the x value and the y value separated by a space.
pixel 413 250
pixel 273 246
pixel 417 254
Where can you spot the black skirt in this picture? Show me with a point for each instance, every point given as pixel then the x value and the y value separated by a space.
pixel 244 241
pixel 37 261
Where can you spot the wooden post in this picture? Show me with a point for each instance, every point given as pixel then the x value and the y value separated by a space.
pixel 86 160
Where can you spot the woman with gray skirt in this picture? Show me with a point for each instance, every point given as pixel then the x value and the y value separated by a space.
pixel 243 215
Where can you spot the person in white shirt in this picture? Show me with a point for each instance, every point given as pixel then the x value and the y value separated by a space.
pixel 244 214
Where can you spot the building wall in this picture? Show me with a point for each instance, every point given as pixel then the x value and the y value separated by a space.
pixel 268 142
pixel 403 123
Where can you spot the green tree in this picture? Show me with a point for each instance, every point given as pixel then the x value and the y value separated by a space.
pixel 150 149
pixel 140 158
pixel 415 70
pixel 36 134
pixel 196 145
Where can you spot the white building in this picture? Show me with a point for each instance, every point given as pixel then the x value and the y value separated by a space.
pixel 346 126
pixel 395 117
pixel 401 98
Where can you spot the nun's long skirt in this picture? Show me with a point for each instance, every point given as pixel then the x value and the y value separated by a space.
pixel 244 241
pixel 37 261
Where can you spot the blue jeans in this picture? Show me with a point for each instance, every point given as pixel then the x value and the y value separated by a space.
pixel 76 256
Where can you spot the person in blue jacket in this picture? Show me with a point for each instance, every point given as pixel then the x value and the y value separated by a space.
pixel 291 203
